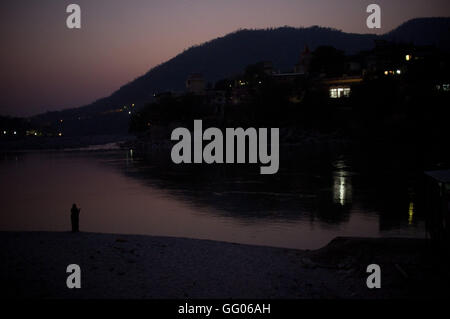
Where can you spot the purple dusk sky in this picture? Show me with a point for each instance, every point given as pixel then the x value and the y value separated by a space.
pixel 45 66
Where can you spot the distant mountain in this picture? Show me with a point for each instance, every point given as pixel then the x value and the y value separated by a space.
pixel 423 31
pixel 228 55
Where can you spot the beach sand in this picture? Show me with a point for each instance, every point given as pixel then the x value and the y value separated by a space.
pixel 33 265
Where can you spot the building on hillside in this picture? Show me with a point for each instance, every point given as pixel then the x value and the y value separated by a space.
pixel 240 95
pixel 300 71
pixel 288 78
pixel 342 86
pixel 217 97
pixel 268 67
pixel 196 84
pixel 304 62
pixel 395 59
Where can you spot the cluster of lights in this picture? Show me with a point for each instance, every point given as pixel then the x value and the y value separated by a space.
pixel 5 132
pixel 132 106
pixel 391 72
pixel 443 87
pixel 32 133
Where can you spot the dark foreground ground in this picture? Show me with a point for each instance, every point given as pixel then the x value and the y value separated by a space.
pixel 33 265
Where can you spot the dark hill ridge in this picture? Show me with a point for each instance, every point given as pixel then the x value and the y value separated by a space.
pixel 423 31
pixel 228 55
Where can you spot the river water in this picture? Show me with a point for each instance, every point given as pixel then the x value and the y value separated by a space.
pixel 315 197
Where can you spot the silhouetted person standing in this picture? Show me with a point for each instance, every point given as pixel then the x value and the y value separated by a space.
pixel 75 218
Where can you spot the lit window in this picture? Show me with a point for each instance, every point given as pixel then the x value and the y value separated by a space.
pixel 408 57
pixel 399 72
pixel 336 93
pixel 333 93
pixel 386 72
pixel 346 92
pixel 446 87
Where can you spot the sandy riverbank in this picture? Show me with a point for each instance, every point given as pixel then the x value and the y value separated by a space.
pixel 130 266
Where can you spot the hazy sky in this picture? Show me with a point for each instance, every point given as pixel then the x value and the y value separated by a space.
pixel 46 66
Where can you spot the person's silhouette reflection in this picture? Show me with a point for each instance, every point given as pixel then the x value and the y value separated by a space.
pixel 74 216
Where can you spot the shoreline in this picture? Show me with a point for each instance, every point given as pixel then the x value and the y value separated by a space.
pixel 118 266
pixel 65 143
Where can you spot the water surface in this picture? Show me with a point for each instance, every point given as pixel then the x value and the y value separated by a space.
pixel 313 199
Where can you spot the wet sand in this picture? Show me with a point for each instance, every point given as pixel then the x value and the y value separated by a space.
pixel 135 267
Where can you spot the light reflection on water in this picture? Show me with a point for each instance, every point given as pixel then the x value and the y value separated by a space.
pixel 342 190
pixel 304 206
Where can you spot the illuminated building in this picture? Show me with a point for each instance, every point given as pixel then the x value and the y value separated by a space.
pixel 341 87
